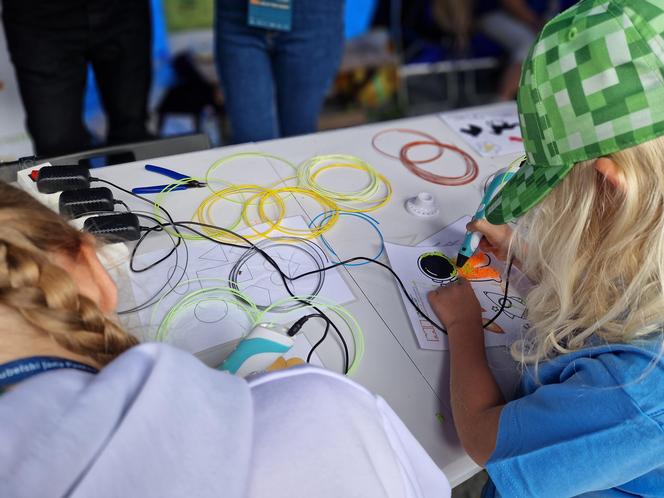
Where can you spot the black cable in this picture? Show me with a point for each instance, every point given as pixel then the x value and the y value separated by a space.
pixel 273 263
pixel 297 326
pixel 176 244
pixel 144 199
pixel 157 295
pixel 403 287
pixel 285 278
pixel 122 203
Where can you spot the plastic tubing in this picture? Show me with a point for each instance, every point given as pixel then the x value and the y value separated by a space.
pixel 470 174
pixel 365 217
pixel 310 169
pixel 407 131
pixel 225 160
pixel 314 252
pixel 192 299
pixel 340 311
pixel 204 215
pixel 326 203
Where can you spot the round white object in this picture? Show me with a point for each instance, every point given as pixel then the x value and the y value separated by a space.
pixel 423 205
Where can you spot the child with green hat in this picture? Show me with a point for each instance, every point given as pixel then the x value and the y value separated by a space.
pixel 588 206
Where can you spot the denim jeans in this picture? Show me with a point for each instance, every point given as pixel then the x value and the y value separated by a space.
pixel 275 82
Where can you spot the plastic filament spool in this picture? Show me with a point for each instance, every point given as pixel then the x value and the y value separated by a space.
pixel 373 195
pixel 406 131
pixel 373 223
pixel 472 169
pixel 422 205
pixel 308 248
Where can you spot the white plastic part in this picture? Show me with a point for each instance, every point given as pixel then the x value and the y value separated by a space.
pixel 113 257
pixel 261 348
pixel 422 205
pixel 30 186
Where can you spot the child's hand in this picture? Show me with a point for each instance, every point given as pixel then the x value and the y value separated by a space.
pixel 456 305
pixel 496 238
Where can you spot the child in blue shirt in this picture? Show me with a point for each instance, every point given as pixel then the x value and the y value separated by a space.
pixel 589 208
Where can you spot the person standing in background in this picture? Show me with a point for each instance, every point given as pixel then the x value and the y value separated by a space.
pixel 513 24
pixel 276 61
pixel 51 45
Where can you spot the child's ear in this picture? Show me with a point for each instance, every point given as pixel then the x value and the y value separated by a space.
pixel 608 168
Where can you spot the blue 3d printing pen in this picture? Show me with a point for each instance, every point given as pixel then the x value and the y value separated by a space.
pixel 472 239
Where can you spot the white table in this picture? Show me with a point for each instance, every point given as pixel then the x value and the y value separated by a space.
pixel 415 382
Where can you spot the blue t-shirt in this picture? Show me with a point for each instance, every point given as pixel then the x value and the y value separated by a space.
pixel 592 426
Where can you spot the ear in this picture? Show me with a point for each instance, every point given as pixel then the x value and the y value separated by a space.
pixel 103 284
pixel 611 172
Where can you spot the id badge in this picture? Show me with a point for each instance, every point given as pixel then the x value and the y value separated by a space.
pixel 271 14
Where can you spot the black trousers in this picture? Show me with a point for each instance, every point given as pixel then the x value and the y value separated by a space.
pixel 51 44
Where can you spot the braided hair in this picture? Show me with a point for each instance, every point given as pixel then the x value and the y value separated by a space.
pixel 42 292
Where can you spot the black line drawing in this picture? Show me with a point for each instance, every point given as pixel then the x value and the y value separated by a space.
pixel 185 286
pixel 260 295
pixel 515 306
pixel 216 254
pixel 211 312
pixel 437 267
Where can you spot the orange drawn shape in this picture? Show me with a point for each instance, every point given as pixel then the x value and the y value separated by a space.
pixel 281 364
pixel 493 327
pixel 477 269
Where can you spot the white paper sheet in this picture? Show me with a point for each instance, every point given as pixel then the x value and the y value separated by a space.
pixel 492 131
pixel 214 322
pixel 490 293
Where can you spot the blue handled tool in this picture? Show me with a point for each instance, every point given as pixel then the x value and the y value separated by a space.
pixel 155 189
pixel 472 239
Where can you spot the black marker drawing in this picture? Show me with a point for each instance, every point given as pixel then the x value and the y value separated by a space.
pixel 472 130
pixel 499 128
pixel 515 307
pixel 437 267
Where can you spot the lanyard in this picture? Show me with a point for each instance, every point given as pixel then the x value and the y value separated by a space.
pixel 18 370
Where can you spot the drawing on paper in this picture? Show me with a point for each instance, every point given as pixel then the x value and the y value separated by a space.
pixel 478 269
pixel 209 323
pixel 429 333
pixel 437 267
pixel 492 327
pixel 491 131
pixel 515 306
pixel 422 268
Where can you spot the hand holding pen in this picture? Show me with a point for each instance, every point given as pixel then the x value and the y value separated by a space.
pixel 472 240
pixel 494 238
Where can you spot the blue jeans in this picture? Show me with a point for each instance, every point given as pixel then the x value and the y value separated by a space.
pixel 275 82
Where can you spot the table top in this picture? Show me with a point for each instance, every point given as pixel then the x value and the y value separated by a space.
pixel 415 382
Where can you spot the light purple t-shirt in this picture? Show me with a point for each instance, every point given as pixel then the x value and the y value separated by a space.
pixel 158 423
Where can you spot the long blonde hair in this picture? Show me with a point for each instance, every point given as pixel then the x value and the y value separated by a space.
pixel 43 292
pixel 596 254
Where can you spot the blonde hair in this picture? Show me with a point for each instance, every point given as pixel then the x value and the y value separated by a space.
pixel 43 292
pixel 596 254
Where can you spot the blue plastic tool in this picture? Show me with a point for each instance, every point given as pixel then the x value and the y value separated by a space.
pixel 260 349
pixel 472 239
pixel 155 189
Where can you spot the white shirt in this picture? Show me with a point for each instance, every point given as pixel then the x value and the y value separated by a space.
pixel 157 422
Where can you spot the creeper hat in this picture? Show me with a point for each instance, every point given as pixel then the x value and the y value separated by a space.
pixel 593 84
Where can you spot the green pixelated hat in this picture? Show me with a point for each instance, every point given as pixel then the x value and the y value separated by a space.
pixel 592 85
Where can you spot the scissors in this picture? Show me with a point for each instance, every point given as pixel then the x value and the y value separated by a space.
pixel 155 189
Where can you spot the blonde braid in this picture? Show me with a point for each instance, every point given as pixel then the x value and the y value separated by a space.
pixel 43 292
